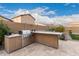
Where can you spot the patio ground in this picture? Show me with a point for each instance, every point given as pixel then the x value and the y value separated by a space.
pixel 66 48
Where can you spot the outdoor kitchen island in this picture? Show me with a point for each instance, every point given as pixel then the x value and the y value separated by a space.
pixel 47 38
pixel 14 42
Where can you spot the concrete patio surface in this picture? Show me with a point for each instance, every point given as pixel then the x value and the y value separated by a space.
pixel 66 48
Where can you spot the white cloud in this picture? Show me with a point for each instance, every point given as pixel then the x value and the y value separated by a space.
pixel 42 19
pixel 43 11
pixel 7 15
pixel 64 20
pixel 51 12
pixel 59 20
pixel 40 15
pixel 9 11
pixel 6 12
pixel 37 14
pixel 39 10
pixel 20 12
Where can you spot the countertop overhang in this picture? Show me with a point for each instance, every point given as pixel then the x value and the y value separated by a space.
pixel 12 35
pixel 48 32
pixel 38 32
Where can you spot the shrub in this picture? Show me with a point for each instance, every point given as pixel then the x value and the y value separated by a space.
pixel 3 30
pixel 59 28
pixel 70 32
pixel 75 36
pixel 51 28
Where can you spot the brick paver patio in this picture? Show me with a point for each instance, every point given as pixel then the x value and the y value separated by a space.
pixel 65 48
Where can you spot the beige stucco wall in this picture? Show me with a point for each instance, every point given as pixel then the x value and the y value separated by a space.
pixel 15 27
pixel 73 26
pixel 17 19
pixel 1 18
pixel 73 29
pixel 24 19
pixel 27 19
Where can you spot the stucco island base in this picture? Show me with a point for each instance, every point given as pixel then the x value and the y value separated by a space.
pixel 50 39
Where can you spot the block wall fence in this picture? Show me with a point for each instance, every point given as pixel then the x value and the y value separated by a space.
pixel 15 27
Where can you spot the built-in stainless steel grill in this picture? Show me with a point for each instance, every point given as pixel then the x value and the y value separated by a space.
pixel 25 37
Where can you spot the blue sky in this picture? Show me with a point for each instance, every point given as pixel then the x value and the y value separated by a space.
pixel 58 9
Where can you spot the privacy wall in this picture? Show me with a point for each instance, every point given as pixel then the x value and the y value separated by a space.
pixel 15 27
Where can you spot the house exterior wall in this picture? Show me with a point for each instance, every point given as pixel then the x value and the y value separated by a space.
pixel 27 19
pixel 73 26
pixel 17 19
pixel 24 19
pixel 73 29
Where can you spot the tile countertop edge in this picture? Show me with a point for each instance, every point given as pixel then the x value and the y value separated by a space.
pixel 13 35
pixel 39 32
pixel 48 32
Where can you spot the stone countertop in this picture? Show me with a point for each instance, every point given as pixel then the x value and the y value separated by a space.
pixel 12 35
pixel 48 32
pixel 38 32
